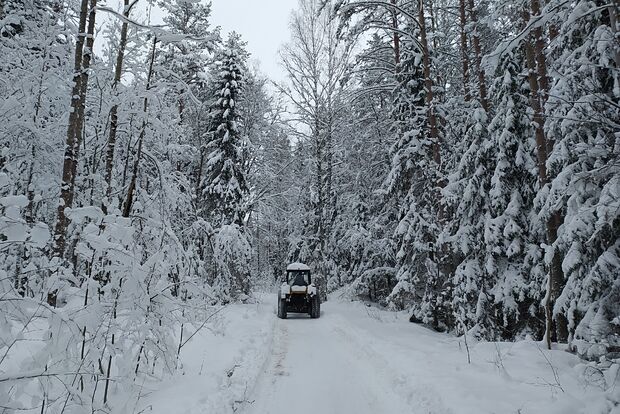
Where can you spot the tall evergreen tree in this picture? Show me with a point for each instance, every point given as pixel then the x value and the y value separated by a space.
pixel 224 183
pixel 585 166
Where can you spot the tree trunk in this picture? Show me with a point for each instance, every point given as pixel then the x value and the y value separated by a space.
pixel 428 84
pixel 72 131
pixel 76 122
pixel 88 55
pixel 132 182
pixel 614 9
pixel 109 162
pixel 541 61
pixel 537 73
pixel 199 172
pixel 396 38
pixel 464 55
pixel 538 118
pixel 556 275
pixel 482 87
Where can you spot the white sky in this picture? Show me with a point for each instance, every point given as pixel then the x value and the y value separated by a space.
pixel 261 23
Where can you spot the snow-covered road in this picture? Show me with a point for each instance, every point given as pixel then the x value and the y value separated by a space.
pixel 316 366
pixel 357 359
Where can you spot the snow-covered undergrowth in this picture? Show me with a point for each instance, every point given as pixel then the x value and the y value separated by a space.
pixel 219 366
pixel 432 373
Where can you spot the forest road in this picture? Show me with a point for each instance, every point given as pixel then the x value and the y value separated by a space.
pixel 324 366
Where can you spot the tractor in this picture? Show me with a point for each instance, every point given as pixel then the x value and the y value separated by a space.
pixel 297 293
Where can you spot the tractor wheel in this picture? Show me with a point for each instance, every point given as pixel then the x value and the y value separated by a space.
pixel 315 307
pixel 281 308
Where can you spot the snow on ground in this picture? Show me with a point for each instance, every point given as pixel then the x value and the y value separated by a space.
pixel 219 365
pixel 358 359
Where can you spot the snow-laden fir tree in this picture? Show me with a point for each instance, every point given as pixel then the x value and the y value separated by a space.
pixel 585 166
pixel 468 187
pixel 512 233
pixel 224 185
pixel 224 182
pixel 413 180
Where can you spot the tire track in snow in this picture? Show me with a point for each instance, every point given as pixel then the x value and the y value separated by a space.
pixel 313 368
pixel 422 398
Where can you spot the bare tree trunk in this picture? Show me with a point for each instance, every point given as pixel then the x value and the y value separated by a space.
pixel 132 183
pixel 128 151
pixel 76 122
pixel 88 55
pixel 537 74
pixel 464 54
pixel 556 275
pixel 614 9
pixel 428 84
pixel 538 118
pixel 199 171
pixel 73 132
pixel 541 61
pixel 482 87
pixel 396 37
pixel 109 162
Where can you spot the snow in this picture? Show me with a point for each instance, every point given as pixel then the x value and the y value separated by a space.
pixel 219 366
pixel 361 359
pixel 297 267
pixel 18 201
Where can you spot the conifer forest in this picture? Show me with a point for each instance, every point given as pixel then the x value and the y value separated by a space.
pixel 448 170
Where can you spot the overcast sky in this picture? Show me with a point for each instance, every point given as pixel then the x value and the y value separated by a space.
pixel 262 23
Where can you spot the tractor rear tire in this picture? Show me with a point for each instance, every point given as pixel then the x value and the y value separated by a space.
pixel 315 307
pixel 281 308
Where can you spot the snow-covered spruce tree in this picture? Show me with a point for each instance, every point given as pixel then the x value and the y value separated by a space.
pixel 468 187
pixel 224 186
pixel 413 179
pixel 492 231
pixel 511 235
pixel 585 169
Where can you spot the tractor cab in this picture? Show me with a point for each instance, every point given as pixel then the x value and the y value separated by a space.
pixel 298 274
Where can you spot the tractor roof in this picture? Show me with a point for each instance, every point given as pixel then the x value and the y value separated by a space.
pixel 297 267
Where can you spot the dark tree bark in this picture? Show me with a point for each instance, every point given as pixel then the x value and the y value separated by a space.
pixel 482 87
pixel 76 119
pixel 428 84
pixel 396 37
pixel 556 328
pixel 464 54
pixel 132 182
pixel 118 72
